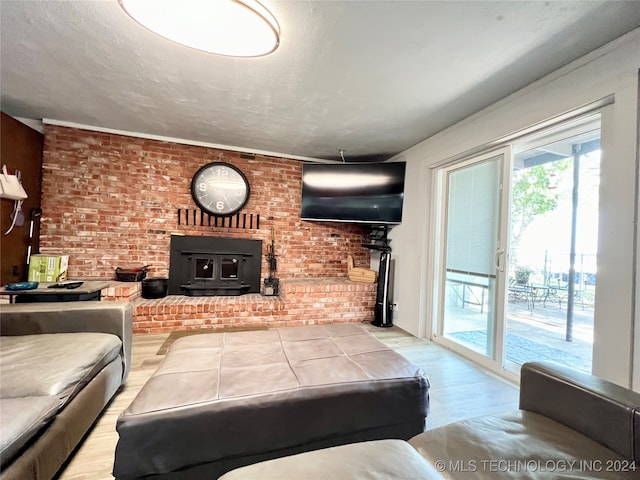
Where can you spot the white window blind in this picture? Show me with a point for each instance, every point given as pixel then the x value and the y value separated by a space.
pixel 472 222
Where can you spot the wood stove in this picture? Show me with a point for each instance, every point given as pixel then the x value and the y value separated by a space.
pixel 211 266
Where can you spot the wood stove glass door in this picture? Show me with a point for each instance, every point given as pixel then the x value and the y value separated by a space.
pixel 230 268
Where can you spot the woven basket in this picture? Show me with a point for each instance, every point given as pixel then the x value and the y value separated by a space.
pixel 357 274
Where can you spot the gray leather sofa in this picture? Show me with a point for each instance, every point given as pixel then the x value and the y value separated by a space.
pixel 60 364
pixel 570 425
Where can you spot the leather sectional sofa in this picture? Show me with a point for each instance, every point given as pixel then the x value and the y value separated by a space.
pixel 60 364
pixel 570 425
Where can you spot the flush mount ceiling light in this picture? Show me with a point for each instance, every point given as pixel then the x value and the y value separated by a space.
pixel 237 28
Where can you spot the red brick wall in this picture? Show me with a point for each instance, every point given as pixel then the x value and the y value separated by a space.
pixel 110 200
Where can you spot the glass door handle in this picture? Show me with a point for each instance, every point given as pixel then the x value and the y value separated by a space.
pixel 499 254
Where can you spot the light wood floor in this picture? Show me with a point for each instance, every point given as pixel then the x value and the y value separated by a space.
pixel 459 390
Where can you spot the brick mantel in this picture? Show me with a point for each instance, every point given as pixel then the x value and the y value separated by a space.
pixel 302 302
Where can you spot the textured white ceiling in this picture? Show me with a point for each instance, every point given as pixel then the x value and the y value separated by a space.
pixel 370 77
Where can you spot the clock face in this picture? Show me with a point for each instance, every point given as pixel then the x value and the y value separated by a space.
pixel 220 189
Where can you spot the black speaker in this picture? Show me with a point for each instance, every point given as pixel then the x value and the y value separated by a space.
pixel 383 310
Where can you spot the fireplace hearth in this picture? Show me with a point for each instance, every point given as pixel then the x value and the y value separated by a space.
pixel 214 266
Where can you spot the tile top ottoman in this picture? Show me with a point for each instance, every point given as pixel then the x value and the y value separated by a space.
pixel 223 400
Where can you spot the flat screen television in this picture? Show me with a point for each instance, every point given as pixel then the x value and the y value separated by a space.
pixel 370 193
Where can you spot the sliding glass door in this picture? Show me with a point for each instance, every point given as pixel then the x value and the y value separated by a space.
pixel 469 305
pixel 553 248
pixel 516 249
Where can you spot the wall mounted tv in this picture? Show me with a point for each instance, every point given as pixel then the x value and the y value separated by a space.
pixel 370 193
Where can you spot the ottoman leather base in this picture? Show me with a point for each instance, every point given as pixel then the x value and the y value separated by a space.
pixel 222 400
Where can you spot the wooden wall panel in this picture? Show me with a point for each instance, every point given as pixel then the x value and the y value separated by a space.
pixel 20 149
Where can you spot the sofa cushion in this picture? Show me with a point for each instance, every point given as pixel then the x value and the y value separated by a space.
pixel 519 444
pixel 376 460
pixel 68 317
pixel 20 419
pixel 57 364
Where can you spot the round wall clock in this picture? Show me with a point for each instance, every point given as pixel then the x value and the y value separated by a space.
pixel 220 189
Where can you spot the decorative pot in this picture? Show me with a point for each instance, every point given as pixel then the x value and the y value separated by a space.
pixel 154 287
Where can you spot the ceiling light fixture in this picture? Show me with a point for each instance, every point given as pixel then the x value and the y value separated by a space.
pixel 236 28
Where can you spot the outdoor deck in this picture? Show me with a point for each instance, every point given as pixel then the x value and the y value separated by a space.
pixel 537 333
